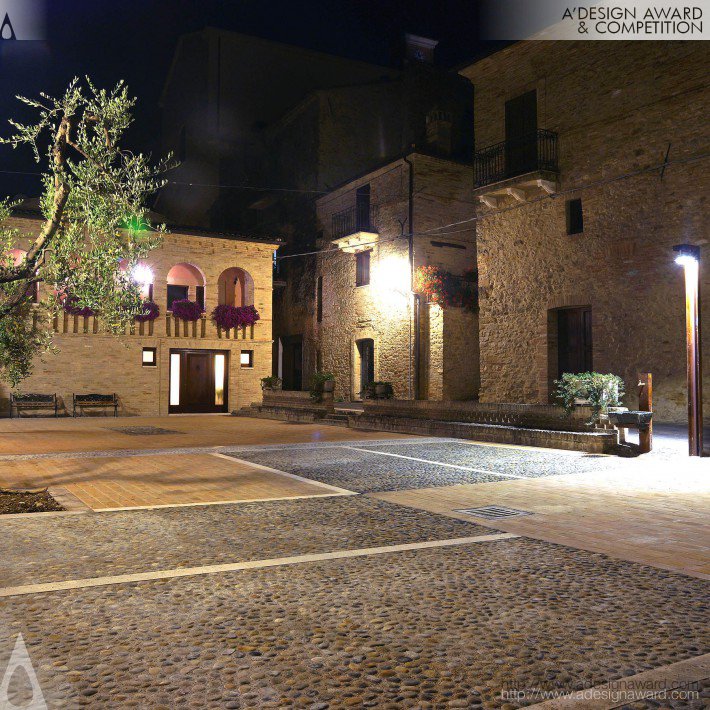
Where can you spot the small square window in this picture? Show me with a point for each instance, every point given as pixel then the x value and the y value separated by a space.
pixel 246 359
pixel 575 217
pixel 150 357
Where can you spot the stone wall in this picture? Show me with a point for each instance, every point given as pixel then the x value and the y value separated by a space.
pixel 89 361
pixel 617 107
pixel 384 310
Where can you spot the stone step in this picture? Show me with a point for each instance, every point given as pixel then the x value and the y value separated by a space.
pixel 336 419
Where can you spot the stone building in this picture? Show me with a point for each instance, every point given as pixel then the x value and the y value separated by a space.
pixel 367 324
pixel 575 224
pixel 334 136
pixel 169 365
pixel 326 121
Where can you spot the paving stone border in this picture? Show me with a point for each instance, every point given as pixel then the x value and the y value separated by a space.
pixel 450 627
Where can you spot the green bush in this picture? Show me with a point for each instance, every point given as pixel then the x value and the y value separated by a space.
pixel 270 383
pixel 600 390
pixel 317 382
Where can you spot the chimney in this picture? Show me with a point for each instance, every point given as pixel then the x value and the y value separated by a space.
pixel 419 49
pixel 438 131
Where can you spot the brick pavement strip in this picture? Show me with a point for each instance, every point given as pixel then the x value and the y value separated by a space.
pixel 446 627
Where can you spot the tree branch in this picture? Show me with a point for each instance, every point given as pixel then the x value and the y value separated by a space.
pixel 27 267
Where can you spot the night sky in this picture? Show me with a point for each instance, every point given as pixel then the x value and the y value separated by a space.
pixel 135 39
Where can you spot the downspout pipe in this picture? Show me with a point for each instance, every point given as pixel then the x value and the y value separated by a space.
pixel 417 308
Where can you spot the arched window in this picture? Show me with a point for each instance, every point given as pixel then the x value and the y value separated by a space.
pixel 236 287
pixel 185 281
pixel 17 256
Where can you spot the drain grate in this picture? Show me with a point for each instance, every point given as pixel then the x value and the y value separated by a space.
pixel 493 512
pixel 143 430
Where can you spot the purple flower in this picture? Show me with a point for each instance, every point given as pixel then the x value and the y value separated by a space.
pixel 229 317
pixel 71 305
pixel 187 310
pixel 150 312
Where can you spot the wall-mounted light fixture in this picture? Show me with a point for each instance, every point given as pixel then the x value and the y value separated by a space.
pixel 149 357
pixel 143 276
pixel 688 256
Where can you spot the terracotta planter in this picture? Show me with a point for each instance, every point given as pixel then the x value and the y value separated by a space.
pixel 329 386
pixel 380 390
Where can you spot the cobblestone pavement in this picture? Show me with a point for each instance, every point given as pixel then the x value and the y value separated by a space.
pixel 364 472
pixel 450 627
pixel 46 549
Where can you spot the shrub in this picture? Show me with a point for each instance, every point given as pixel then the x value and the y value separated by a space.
pixel 229 317
pixel 150 312
pixel 185 309
pixel 600 390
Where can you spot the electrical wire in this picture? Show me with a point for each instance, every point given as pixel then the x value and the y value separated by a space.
pixel 202 184
pixel 434 231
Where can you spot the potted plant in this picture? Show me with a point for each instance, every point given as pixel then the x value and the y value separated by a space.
pixel 228 317
pixel 378 390
pixel 320 383
pixel 185 309
pixel 71 305
pixel 598 390
pixel 271 383
pixel 149 311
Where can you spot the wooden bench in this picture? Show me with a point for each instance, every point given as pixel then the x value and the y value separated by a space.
pixel 82 401
pixel 33 400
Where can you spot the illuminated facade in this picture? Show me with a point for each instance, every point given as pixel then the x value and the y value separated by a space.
pixel 577 217
pixel 367 325
pixel 169 365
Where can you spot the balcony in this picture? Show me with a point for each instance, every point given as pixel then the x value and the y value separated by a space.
pixel 354 229
pixel 519 168
pixel 164 327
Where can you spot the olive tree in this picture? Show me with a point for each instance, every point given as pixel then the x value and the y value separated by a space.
pixel 94 224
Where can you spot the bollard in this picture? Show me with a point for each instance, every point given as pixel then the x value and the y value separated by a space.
pixel 646 405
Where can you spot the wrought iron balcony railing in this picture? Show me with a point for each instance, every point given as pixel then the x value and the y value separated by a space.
pixel 359 218
pixel 537 151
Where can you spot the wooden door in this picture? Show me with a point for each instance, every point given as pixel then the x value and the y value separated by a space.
pixel 196 374
pixel 574 340
pixel 367 362
pixel 521 134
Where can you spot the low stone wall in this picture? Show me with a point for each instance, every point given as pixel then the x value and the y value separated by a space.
pixel 285 399
pixel 596 442
pixel 529 416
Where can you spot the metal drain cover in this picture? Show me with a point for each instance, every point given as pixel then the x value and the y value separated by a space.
pixel 493 512
pixel 142 430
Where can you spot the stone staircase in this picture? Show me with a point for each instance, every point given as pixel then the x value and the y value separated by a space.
pixel 288 406
pixel 335 419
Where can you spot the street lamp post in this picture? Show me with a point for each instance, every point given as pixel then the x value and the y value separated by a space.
pixel 689 258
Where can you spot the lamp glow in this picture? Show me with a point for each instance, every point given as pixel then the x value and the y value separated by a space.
pixel 686 260
pixel 142 275
pixel 689 258
pixel 393 274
